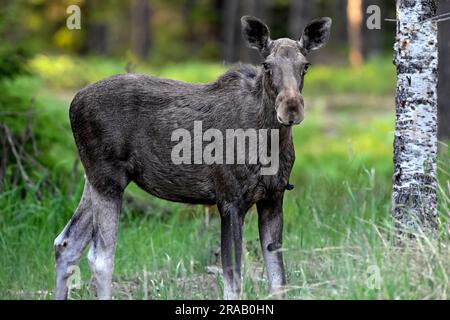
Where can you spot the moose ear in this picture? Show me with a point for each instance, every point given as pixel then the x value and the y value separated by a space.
pixel 256 33
pixel 316 34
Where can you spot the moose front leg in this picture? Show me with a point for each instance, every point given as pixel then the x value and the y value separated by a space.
pixel 270 222
pixel 231 250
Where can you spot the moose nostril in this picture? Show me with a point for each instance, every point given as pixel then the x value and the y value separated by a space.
pixel 291 122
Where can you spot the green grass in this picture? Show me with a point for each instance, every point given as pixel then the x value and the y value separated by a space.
pixel 337 220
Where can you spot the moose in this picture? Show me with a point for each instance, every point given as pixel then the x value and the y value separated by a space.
pixel 122 128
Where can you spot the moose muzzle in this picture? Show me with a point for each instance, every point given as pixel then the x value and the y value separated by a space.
pixel 289 106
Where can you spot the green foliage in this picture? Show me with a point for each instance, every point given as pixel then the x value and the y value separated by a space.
pixel 13 53
pixel 376 77
pixel 68 72
pixel 13 56
pixel 12 61
pixel 65 72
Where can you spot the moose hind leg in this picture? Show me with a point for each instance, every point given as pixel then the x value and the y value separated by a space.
pixel 71 242
pixel 101 253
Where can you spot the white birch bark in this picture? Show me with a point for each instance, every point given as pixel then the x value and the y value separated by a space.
pixel 415 143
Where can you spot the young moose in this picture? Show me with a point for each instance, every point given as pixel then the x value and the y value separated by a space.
pixel 122 127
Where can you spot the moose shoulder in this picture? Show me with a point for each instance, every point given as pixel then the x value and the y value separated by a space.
pixel 124 129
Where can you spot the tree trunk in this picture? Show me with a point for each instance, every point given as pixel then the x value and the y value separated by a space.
pixel 372 39
pixel 191 39
pixel 140 28
pixel 300 14
pixel 444 75
pixel 354 16
pixel 97 30
pixel 97 38
pixel 339 37
pixel 256 8
pixel 415 143
pixel 230 24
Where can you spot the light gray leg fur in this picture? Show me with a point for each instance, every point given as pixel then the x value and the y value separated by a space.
pixel 101 253
pixel 270 233
pixel 72 240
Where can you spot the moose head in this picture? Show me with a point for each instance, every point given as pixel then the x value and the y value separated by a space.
pixel 285 64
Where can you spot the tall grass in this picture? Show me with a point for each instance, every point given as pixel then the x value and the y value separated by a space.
pixel 337 246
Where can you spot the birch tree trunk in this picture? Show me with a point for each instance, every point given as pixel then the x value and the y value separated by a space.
pixel 415 143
